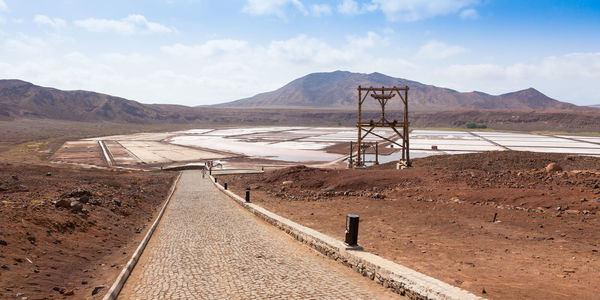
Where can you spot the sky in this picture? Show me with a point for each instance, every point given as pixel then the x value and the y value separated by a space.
pixel 199 52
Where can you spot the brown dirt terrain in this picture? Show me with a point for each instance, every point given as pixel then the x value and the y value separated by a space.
pixel 26 140
pixel 437 218
pixel 65 231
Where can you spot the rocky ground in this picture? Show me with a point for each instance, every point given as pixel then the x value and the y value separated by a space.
pixel 498 224
pixel 67 232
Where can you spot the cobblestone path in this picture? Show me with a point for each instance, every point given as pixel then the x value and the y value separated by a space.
pixel 208 247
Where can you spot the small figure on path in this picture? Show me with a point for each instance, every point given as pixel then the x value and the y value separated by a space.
pixel 203 172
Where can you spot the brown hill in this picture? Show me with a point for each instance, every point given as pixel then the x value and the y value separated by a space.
pixel 337 90
pixel 20 99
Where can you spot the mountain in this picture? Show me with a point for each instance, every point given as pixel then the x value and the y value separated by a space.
pixel 329 92
pixel 338 90
pixel 20 99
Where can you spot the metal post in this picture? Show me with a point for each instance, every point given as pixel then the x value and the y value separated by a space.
pixel 352 230
pixel 215 179
pixel 248 195
pixel 225 185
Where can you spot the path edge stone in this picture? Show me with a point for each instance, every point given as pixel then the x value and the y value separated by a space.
pixel 398 278
pixel 115 289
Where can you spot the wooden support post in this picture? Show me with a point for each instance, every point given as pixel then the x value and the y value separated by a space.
pixel 406 131
pixel 358 162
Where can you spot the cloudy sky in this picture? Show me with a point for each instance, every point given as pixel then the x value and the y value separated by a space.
pixel 197 52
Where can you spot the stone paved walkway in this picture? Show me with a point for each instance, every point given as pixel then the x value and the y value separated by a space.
pixel 208 247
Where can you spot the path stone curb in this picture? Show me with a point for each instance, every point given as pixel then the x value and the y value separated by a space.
pixel 118 284
pixel 398 278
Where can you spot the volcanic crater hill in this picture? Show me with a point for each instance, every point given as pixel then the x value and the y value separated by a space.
pixel 338 90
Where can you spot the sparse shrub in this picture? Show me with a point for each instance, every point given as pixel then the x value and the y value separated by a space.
pixel 473 125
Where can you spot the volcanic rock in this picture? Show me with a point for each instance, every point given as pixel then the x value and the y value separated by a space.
pixel 553 167
pixel 76 206
pixel 63 203
pixel 97 290
pixel 77 193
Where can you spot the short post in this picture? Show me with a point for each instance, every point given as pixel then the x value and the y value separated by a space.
pixel 376 153
pixel 215 179
pixel 225 185
pixel 248 195
pixel 352 230
pixel 350 163
pixel 364 150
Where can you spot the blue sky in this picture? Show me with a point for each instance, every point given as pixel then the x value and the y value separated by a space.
pixel 196 52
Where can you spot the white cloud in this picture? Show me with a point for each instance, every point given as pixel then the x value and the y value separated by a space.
pixel 438 50
pixel 414 10
pixel 24 45
pixel 348 7
pixel 3 6
pixel 55 23
pixel 370 41
pixel 130 25
pixel 272 7
pixel 351 7
pixel 469 14
pixel 210 48
pixel 585 65
pixel 235 69
pixel 320 10
pixel 228 69
pixel 571 77
pixel 306 50
pixel 573 65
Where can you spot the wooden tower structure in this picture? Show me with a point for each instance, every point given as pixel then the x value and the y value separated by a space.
pixel 383 95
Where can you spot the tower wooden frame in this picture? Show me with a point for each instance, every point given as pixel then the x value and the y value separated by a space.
pixel 383 95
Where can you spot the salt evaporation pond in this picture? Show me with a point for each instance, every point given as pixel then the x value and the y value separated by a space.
pixel 286 151
pixel 303 144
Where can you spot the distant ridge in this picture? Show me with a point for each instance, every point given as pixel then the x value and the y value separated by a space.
pixel 20 99
pixel 325 92
pixel 337 90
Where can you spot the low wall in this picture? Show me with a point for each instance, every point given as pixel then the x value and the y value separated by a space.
pixel 115 289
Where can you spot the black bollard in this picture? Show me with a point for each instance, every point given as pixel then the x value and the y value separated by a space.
pixel 247 195
pixel 215 179
pixel 352 230
pixel 225 185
